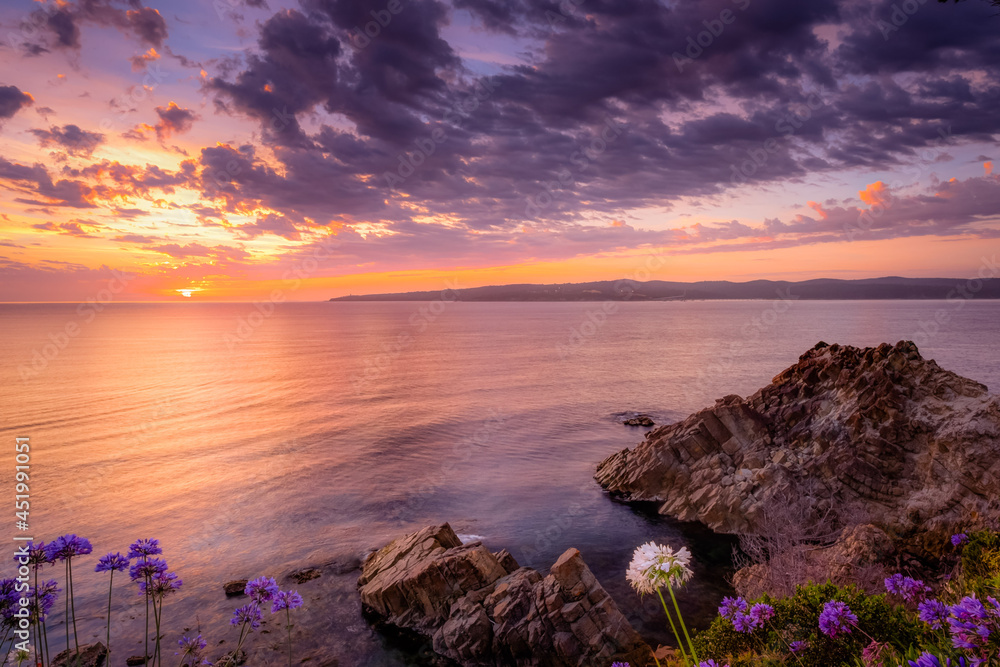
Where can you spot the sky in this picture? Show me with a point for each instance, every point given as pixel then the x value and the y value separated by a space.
pixel 307 149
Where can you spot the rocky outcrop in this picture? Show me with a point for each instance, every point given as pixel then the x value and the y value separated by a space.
pixel 478 607
pixel 639 420
pixel 853 435
pixel 91 655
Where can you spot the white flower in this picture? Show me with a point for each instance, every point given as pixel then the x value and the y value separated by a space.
pixel 654 566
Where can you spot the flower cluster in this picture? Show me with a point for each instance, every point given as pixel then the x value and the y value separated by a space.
pixel 959 539
pixel 261 591
pixel 836 619
pixel 744 617
pixel 908 588
pixel 654 566
pixel 66 547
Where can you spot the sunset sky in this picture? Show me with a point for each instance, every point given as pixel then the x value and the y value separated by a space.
pixel 223 150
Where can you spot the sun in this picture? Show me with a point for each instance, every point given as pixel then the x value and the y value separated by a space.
pixel 188 291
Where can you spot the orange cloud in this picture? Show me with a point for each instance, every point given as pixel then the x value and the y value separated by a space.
pixel 875 193
pixel 988 166
pixel 816 206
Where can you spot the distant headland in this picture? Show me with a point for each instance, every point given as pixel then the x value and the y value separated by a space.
pixel 659 290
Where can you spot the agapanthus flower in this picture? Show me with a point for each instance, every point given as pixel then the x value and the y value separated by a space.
pixel 914 589
pixel 798 646
pixel 66 547
pixel 710 663
pixel 968 629
pixel 732 606
pixel 112 562
pixel 286 600
pixel 143 548
pixel 908 588
pixel 192 646
pixel 37 554
pixel 147 568
pixel 161 584
pixel 959 539
pixel 654 566
pixel 745 623
pixel 933 612
pixel 930 660
pixel 619 664
pixel 43 599
pixel 836 619
pixel 761 612
pixel 248 614
pixel 261 589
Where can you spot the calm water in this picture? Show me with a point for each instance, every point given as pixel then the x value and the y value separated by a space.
pixel 324 430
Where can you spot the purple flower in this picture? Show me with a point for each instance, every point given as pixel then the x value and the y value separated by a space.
pixel 43 599
pixel 192 646
pixel 969 609
pixel 933 612
pixel 146 569
pixel 836 619
pixel 745 623
pixel 67 546
pixel 143 548
pixel 927 660
pixel 908 588
pixel 894 584
pixel 959 539
pixel 761 612
pixel 112 562
pixel 37 554
pixel 247 615
pixel 914 589
pixel 286 600
pixel 619 664
pixel 707 663
pixel 798 646
pixel 731 607
pixel 261 589
pixel 161 584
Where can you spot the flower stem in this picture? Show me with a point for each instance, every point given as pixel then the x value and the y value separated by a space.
pixel 145 650
pixel 67 606
pixel 683 627
pixel 107 639
pixel 680 644
pixel 72 602
pixel 288 619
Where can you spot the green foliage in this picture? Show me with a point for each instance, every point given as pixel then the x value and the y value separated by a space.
pixel 797 619
pixel 981 564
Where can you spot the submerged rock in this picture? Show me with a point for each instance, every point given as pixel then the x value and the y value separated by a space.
pixel 639 420
pixel 480 608
pixel 91 655
pixel 235 587
pixel 879 435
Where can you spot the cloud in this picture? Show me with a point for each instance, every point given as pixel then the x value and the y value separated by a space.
pixel 140 61
pixel 59 25
pixel 36 180
pixel 12 100
pixel 173 120
pixel 70 138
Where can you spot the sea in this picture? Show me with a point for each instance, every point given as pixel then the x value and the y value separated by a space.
pixel 258 439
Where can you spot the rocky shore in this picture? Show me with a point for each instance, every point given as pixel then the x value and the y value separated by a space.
pixel 877 436
pixel 476 607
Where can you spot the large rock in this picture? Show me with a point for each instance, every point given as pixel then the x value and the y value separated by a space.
pixel 480 608
pixel 91 655
pixel 877 435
